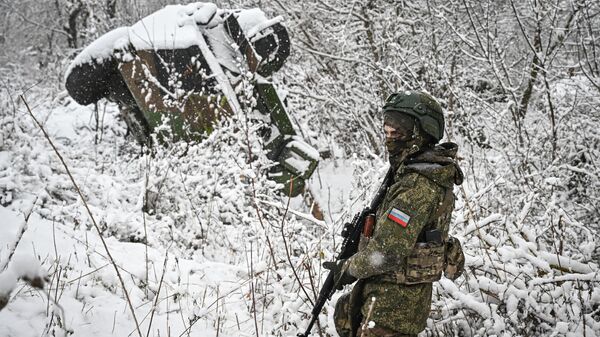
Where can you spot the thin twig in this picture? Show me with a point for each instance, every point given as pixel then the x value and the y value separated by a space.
pixel 366 321
pixel 322 224
pixel 60 308
pixel 252 290
pixel 81 275
pixel 314 290
pixel 162 276
pixel 145 226
pixel 287 250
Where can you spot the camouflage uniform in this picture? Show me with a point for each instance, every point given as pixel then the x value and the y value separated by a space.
pixel 391 291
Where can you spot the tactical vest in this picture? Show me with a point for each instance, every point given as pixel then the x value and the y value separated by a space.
pixel 432 254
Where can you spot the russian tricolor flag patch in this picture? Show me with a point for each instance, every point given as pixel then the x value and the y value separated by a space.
pixel 399 217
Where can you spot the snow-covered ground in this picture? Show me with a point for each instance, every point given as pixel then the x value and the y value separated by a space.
pixel 205 245
pixel 206 269
pixel 225 254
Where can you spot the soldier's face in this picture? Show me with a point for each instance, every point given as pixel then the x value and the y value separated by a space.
pixel 392 133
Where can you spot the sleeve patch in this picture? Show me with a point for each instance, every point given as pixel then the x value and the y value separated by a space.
pixel 399 217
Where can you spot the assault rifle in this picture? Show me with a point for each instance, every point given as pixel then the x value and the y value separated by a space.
pixel 363 221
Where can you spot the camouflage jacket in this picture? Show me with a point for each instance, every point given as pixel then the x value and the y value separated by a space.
pixel 421 186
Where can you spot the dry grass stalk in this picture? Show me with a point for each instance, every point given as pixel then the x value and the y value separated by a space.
pixel 365 325
pixel 162 276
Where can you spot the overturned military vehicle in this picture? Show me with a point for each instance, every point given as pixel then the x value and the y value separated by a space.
pixel 185 66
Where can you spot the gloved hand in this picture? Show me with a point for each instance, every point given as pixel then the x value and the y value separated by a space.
pixel 341 276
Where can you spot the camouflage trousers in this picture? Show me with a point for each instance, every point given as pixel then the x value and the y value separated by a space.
pixel 347 318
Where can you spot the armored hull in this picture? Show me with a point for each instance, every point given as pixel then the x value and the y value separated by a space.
pixel 183 66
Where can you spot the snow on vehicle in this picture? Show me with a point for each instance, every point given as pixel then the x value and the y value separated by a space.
pixel 188 66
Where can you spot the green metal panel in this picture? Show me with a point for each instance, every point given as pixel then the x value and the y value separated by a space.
pixel 270 102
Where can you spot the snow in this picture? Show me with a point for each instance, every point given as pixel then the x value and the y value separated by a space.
pixel 304 148
pixel 262 25
pixel 85 287
pixel 203 17
pixel 299 164
pixel 8 232
pixel 568 263
pixel 425 166
pixel 101 49
pixel 172 27
pixel 215 68
pixel 177 27
pixel 376 259
pixel 25 265
pixel 8 281
pixel 169 28
pixel 562 327
pixel 467 300
pixel 526 214
pixel 221 45
pixel 210 241
pixel 250 18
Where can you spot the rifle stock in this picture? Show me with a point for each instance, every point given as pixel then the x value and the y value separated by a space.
pixel 351 234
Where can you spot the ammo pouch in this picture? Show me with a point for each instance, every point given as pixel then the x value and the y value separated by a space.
pixel 455 259
pixel 425 264
pixel 428 260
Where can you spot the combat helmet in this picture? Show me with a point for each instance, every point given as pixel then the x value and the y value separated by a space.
pixel 420 105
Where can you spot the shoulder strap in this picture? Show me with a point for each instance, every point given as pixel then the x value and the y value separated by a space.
pixel 437 217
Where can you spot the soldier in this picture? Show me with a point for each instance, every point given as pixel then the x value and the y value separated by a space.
pixel 409 247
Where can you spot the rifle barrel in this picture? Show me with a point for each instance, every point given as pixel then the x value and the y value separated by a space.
pixel 324 294
pixel 349 248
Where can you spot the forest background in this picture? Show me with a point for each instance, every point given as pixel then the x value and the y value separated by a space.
pixel 217 251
